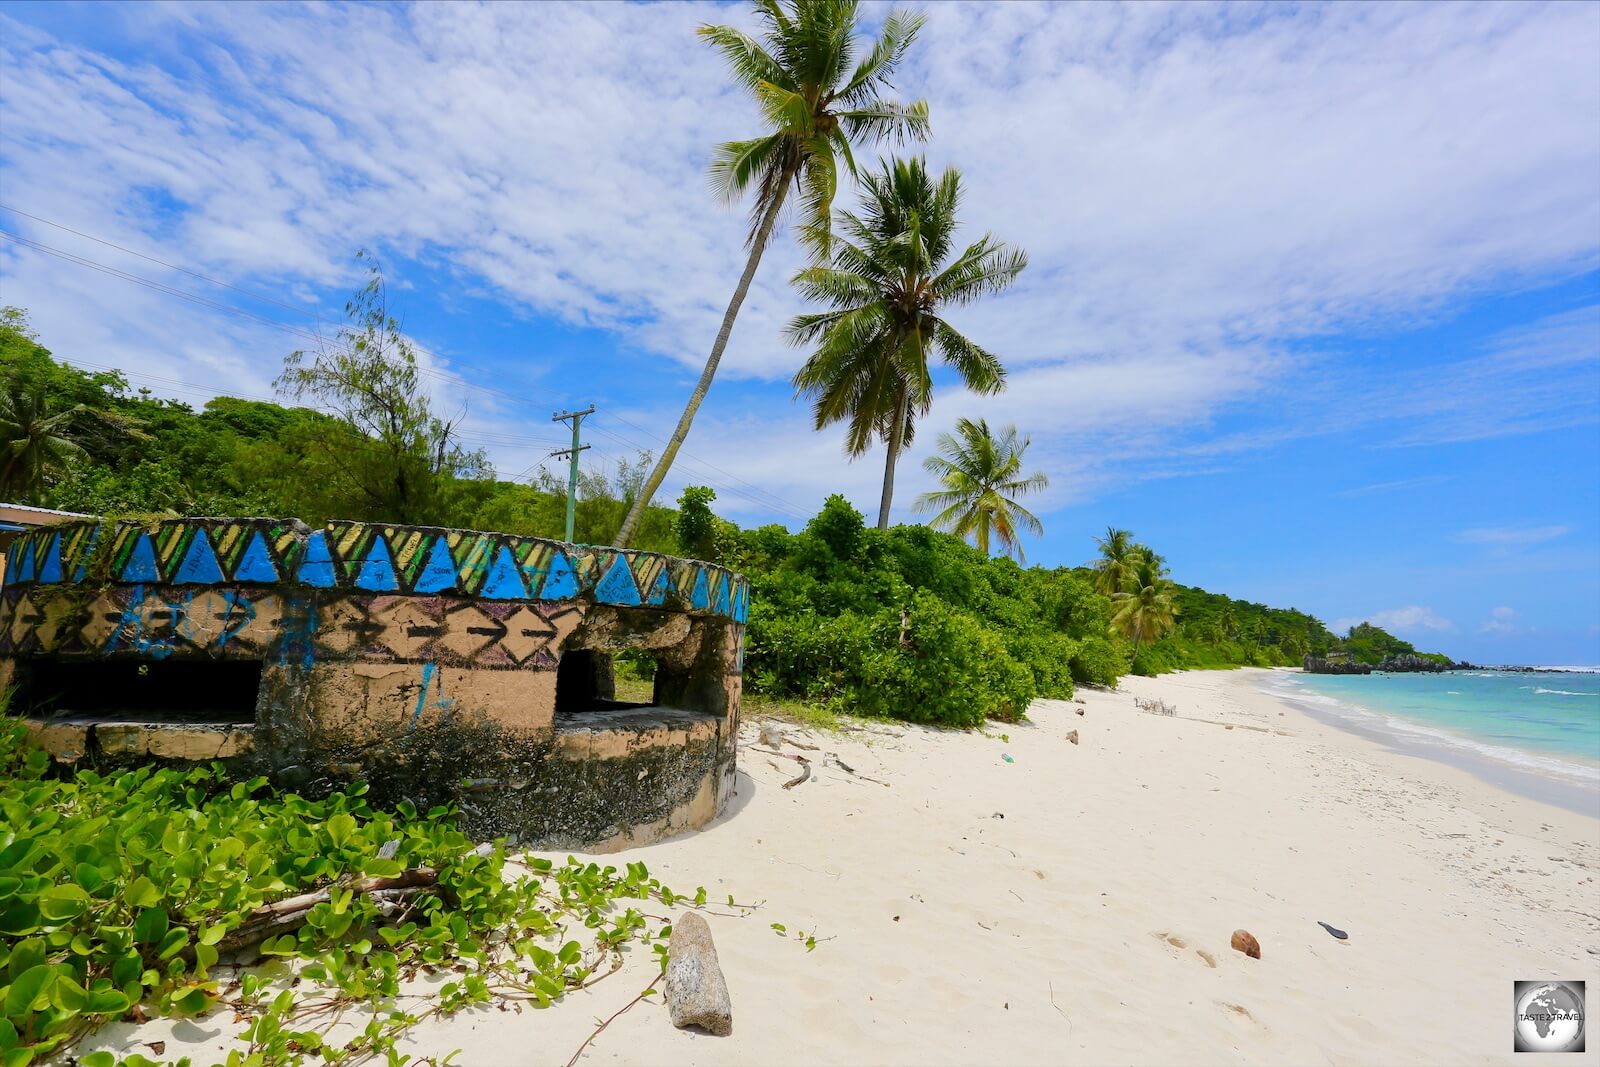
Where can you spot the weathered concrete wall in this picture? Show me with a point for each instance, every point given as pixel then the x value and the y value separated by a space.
pixel 409 657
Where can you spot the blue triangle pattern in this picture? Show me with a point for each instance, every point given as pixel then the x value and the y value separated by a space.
pixel 562 582
pixel 199 566
pixel 255 565
pixel 618 586
pixel 86 555
pixel 50 569
pixel 141 565
pixel 660 588
pixel 723 582
pixel 24 563
pixel 504 580
pixel 316 566
pixel 439 572
pixel 741 603
pixel 376 572
pixel 700 599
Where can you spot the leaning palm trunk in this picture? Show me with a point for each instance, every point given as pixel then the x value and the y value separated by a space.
pixel 670 453
pixel 896 440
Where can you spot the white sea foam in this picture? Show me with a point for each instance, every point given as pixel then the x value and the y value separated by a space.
pixel 1504 754
pixel 1415 733
pixel 1561 692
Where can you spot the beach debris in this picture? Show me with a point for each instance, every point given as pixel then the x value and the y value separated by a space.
pixel 771 736
pixel 1155 707
pixel 697 994
pixel 802 744
pixel 1334 930
pixel 805 772
pixel 1072 735
pixel 1007 757
pixel 846 768
pixel 998 815
pixel 1243 941
pixel 1078 711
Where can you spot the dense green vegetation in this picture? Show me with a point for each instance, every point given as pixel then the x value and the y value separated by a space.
pixel 905 622
pixel 144 454
pixel 127 889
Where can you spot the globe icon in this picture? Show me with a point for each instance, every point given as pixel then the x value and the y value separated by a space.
pixel 1549 1018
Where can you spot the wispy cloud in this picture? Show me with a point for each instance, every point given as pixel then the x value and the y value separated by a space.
pixel 1396 486
pixel 1200 191
pixel 1511 536
pixel 1501 621
pixel 1407 620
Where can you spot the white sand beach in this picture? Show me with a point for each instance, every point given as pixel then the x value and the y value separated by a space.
pixel 1076 905
pixel 1091 923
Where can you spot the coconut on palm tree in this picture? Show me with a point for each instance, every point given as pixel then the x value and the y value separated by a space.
pixel 1115 565
pixel 816 98
pixel 33 447
pixel 982 477
pixel 1145 608
pixel 890 281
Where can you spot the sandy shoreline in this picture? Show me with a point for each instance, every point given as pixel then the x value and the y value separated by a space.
pixel 1090 923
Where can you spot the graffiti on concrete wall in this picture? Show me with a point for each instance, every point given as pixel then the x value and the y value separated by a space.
pixel 370 558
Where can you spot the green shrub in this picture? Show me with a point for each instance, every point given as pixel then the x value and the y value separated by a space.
pixel 1098 661
pixel 1048 656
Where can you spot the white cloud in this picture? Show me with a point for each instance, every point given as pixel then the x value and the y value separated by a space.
pixel 1511 536
pixel 1396 485
pixel 1198 188
pixel 1501 621
pixel 1413 619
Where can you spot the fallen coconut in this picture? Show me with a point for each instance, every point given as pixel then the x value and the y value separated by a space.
pixel 1243 941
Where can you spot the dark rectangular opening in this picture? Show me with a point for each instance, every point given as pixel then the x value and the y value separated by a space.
pixel 584 682
pixel 169 690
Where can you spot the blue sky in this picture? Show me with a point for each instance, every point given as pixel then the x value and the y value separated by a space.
pixel 1313 307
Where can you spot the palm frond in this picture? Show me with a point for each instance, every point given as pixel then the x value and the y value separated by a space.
pixel 887 120
pixel 735 163
pixel 750 63
pixel 980 370
pixel 900 29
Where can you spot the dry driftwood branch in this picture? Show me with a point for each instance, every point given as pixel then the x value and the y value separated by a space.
pixel 843 766
pixel 805 772
pixel 281 916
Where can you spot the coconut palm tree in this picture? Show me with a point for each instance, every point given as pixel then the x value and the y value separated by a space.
pixel 32 446
pixel 1144 607
pixel 816 99
pixel 982 475
pixel 890 281
pixel 1115 565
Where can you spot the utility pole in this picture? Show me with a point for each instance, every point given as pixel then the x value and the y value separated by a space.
pixel 572 471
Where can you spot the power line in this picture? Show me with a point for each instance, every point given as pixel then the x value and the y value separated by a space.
pixel 751 492
pixel 183 294
pixel 778 500
pixel 753 495
pixel 160 262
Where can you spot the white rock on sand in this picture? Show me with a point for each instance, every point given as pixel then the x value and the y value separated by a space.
pixel 1092 923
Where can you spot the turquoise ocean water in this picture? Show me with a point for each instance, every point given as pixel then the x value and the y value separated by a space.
pixel 1546 725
